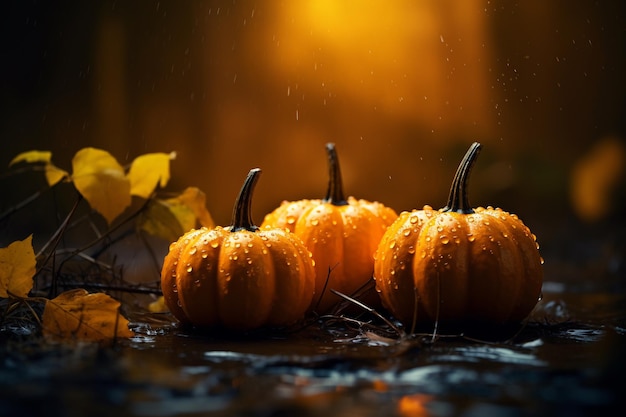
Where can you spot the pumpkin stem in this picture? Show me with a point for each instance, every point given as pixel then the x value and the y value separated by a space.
pixel 334 194
pixel 458 201
pixel 242 212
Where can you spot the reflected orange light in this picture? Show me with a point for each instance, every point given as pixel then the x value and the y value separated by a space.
pixel 414 405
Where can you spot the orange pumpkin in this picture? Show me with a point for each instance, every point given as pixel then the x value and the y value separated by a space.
pixel 342 234
pixel 238 277
pixel 459 265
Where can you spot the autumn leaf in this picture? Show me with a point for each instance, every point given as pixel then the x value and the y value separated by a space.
pixel 158 306
pixel 32 157
pixel 101 181
pixel 53 173
pixel 158 219
pixel 195 199
pixel 17 268
pixel 171 218
pixel 79 315
pixel 146 171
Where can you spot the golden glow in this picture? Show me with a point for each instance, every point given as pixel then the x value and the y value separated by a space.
pixel 595 178
pixel 401 57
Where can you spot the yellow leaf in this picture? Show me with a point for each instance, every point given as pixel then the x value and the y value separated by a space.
pixel 171 218
pixel 78 315
pixel 54 174
pixel 159 219
pixel 101 180
pixel 32 157
pixel 195 199
pixel 17 268
pixel 158 306
pixel 147 171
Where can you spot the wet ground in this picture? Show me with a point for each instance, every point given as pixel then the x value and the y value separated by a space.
pixel 567 360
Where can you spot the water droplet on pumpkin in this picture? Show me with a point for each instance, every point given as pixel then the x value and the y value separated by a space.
pixel 541 260
pixel 193 251
pixel 413 219
pixel 215 244
pixel 291 219
pixel 440 229
pixel 406 232
pixel 189 268
pixel 315 222
pixel 444 239
pixel 392 244
pixel 411 249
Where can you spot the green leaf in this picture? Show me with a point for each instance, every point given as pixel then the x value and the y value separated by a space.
pixel 101 181
pixel 17 268
pixel 147 171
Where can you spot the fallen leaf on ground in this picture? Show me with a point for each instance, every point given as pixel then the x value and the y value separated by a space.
pixel 79 315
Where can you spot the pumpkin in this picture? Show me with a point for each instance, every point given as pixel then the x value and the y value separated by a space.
pixel 341 233
pixel 238 277
pixel 457 264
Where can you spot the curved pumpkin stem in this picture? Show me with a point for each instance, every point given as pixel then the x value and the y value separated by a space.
pixel 242 212
pixel 334 194
pixel 458 201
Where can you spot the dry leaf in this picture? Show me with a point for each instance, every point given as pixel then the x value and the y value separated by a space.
pixel 79 315
pixel 147 171
pixel 17 268
pixel 101 180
